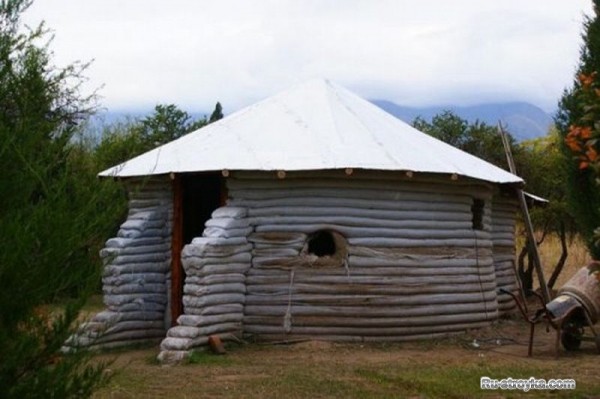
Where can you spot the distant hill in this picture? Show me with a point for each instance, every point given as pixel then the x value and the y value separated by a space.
pixel 523 120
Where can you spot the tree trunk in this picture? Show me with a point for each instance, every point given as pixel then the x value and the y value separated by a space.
pixel 563 256
pixel 525 273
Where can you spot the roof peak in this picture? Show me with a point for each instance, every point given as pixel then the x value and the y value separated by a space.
pixel 313 125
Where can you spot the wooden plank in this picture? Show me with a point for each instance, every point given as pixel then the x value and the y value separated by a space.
pixel 532 245
pixel 367 300
pixel 359 312
pixel 224 193
pixel 371 323
pixel 177 273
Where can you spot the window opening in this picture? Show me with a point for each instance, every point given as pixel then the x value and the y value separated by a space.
pixel 477 211
pixel 322 243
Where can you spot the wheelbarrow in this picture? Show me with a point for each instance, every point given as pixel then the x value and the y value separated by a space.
pixel 575 308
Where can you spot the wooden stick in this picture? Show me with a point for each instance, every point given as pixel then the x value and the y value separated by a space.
pixel 532 246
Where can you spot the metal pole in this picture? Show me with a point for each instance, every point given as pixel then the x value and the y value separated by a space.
pixel 532 244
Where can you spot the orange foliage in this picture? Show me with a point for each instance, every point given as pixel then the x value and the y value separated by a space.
pixel 587 80
pixel 591 153
pixel 579 142
pixel 573 139
pixel 585 133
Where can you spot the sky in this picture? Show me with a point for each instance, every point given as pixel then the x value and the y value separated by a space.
pixel 412 52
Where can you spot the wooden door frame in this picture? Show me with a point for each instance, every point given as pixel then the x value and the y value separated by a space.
pixel 176 247
pixel 177 273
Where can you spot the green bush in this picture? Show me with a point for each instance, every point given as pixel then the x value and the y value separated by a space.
pixel 54 217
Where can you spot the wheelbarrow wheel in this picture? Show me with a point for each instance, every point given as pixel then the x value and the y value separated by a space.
pixel 570 336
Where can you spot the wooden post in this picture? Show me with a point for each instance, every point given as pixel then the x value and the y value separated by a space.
pixel 223 193
pixel 532 244
pixel 177 274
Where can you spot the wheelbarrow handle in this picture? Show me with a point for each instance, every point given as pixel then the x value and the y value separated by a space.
pixel 540 297
pixel 517 301
pixel 529 320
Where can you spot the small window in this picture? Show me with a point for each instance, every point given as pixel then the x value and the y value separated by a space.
pixel 322 243
pixel 477 211
pixel 324 248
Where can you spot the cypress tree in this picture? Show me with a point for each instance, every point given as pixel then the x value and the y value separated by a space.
pixel 583 194
pixel 217 113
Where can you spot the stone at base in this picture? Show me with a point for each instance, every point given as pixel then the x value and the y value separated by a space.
pixel 216 345
pixel 172 357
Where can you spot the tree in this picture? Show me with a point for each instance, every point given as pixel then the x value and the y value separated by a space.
pixel 166 124
pixel 447 126
pixel 119 142
pixel 476 138
pixel 217 113
pixel 543 169
pixel 577 120
pixel 122 141
pixel 53 217
pixel 538 161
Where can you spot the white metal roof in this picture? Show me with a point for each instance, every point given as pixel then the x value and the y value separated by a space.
pixel 312 126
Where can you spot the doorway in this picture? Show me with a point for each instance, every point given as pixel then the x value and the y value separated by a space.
pixel 201 195
pixel 195 197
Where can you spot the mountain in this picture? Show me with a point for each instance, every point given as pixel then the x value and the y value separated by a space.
pixel 523 120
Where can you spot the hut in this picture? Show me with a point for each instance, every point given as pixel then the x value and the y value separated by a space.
pixel 311 214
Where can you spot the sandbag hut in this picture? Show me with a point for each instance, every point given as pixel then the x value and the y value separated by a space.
pixel 311 214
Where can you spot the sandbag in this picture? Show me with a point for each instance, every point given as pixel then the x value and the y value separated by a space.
pixel 218 232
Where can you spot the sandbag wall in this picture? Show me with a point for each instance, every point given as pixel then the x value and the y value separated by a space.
pixel 136 272
pixel 413 266
pixel 504 211
pixel 214 288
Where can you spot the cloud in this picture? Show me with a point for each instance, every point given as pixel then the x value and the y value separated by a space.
pixel 419 52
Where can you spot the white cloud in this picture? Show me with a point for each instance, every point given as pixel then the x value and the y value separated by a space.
pixel 415 52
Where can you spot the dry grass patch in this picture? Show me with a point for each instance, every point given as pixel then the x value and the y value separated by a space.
pixel 550 251
pixel 449 368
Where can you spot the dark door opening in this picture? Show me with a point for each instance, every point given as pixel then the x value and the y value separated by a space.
pixel 195 197
pixel 201 195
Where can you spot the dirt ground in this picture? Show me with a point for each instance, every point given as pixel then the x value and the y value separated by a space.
pixel 442 368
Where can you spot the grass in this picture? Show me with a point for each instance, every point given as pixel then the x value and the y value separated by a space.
pixel 326 370
pixel 206 358
pixel 438 381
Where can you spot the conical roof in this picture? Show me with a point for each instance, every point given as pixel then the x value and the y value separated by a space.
pixel 315 125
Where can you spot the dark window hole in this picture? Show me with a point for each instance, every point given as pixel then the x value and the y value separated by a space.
pixel 321 243
pixel 477 212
